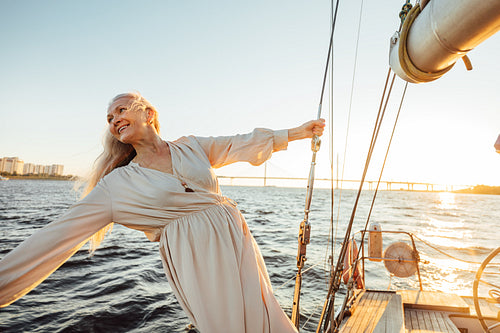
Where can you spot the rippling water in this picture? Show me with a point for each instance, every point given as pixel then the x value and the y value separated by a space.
pixel 123 288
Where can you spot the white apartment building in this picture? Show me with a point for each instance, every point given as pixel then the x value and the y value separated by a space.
pixel 29 168
pixel 38 169
pixel 12 165
pixel 56 170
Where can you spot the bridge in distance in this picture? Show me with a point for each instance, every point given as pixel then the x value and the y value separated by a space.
pixel 387 185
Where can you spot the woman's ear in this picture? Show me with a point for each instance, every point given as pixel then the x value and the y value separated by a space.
pixel 150 115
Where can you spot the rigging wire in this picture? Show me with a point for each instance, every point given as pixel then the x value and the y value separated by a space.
pixel 383 164
pixel 331 146
pixel 331 240
pixel 335 283
pixel 293 277
pixel 312 314
pixel 347 129
pixel 363 232
pixel 376 131
pixel 337 272
pixel 305 227
pixel 330 47
pixel 334 229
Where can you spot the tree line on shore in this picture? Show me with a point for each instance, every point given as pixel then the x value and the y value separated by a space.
pixel 38 176
pixel 480 189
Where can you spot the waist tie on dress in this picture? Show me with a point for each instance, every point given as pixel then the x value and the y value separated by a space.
pixel 229 200
pixel 226 201
pixel 222 202
pixel 154 234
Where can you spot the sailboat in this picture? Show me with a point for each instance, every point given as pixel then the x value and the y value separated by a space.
pixel 433 36
pixel 365 309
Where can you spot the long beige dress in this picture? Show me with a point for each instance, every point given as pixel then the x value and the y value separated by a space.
pixel 211 260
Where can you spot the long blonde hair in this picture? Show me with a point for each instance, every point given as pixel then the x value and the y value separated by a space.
pixel 115 154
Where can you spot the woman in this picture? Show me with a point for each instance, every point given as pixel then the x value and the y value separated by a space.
pixel 169 191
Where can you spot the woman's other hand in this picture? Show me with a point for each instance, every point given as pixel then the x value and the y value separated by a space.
pixel 307 130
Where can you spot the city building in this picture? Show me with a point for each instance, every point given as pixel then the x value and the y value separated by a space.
pixel 12 165
pixel 16 166
pixel 38 169
pixel 29 169
pixel 56 170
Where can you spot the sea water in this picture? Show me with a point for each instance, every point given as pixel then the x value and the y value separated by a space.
pixel 123 288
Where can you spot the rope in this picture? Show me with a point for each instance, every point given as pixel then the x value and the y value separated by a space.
pixel 293 277
pixel 449 255
pixel 407 65
pixel 495 294
pixel 312 314
pixel 467 62
pixel 404 11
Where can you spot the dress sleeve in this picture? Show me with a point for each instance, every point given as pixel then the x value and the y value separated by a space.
pixel 255 147
pixel 42 253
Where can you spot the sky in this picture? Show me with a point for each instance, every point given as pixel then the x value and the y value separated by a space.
pixel 226 67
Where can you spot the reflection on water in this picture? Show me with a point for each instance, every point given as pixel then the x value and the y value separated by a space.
pixel 446 201
pixel 449 233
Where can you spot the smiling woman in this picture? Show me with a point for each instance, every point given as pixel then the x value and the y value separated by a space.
pixel 116 152
pixel 169 191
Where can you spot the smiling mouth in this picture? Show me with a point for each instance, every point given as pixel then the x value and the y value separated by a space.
pixel 122 128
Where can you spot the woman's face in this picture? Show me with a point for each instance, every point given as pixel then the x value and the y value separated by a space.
pixel 126 125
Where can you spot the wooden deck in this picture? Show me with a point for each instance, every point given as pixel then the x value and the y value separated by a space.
pixel 376 311
pixel 420 321
pixel 409 311
pixel 433 300
pixel 413 311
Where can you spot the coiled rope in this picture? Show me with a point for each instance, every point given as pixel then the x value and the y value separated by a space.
pixel 414 73
pixel 407 65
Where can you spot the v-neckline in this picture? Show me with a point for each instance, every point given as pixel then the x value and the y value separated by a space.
pixel 173 174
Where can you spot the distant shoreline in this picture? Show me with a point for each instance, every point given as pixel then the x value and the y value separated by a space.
pixel 480 189
pixel 44 177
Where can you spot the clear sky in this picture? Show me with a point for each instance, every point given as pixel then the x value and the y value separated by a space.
pixel 226 67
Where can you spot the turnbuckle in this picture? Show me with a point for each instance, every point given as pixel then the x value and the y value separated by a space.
pixel 304 238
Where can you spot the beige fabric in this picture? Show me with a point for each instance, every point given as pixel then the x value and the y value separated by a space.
pixel 211 260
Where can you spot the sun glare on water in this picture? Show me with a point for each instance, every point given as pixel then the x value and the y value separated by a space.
pixel 447 201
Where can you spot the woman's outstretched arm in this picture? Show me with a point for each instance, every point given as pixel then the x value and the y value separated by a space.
pixel 42 253
pixel 255 147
